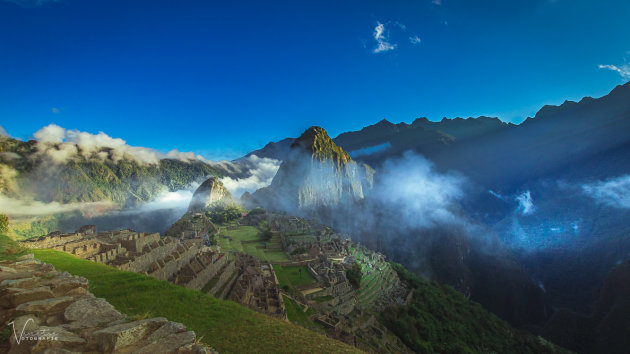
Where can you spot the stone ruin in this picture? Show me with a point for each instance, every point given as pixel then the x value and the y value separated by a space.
pixel 257 287
pixel 188 263
pixel 332 278
pixel 53 312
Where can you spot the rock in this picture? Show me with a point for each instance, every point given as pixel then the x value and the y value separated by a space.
pixel 47 267
pixel 45 306
pixel 57 337
pixel 27 322
pixel 61 286
pixel 122 335
pixel 20 296
pixel 90 312
pixel 28 261
pixel 169 328
pixel 169 344
pixel 209 193
pixel 20 283
pixel 26 256
pixel 7 269
pixel 78 292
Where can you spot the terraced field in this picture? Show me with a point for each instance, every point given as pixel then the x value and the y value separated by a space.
pixel 374 281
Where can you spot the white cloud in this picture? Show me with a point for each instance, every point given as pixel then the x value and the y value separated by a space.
pixel 436 2
pixel 623 70
pixel 415 39
pixel 419 194
pixel 51 133
pixel 614 192
pixel 261 172
pixel 17 208
pixel 62 144
pixel 383 44
pixel 525 203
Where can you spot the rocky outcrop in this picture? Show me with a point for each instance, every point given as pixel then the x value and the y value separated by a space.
pixel 316 173
pixel 209 193
pixel 54 312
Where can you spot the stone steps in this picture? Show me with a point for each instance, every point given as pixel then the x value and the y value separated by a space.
pixel 49 311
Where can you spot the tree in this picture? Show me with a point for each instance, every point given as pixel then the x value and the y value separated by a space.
pixel 354 275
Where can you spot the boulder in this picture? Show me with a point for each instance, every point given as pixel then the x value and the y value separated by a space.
pixel 115 337
pixel 19 296
pixel 90 312
pixel 7 269
pixel 50 305
pixel 169 344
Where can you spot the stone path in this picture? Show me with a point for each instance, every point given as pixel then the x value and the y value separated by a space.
pixel 46 311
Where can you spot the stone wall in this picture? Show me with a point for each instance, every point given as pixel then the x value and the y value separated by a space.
pixel 136 242
pixel 172 263
pixel 141 263
pixel 51 241
pixel 46 311
pixel 224 275
pixel 208 270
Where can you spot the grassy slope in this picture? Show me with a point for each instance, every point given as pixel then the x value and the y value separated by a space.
pixel 224 325
pixel 9 249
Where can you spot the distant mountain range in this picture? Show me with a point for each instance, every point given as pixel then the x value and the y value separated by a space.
pixel 554 189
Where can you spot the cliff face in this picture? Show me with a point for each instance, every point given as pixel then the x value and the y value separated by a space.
pixel 209 193
pixel 316 173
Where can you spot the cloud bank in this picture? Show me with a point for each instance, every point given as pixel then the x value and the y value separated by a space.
pixel 260 173
pixel 61 145
pixel 411 187
pixel 19 209
pixel 614 192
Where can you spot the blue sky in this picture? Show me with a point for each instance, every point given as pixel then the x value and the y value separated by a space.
pixel 223 78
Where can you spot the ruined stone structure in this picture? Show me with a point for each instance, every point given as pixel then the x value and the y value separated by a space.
pixel 56 308
pixel 257 287
pixel 188 263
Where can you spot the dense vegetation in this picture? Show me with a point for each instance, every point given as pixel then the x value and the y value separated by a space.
pixel 224 213
pixel 322 147
pixel 439 319
pixel 354 275
pixel 224 325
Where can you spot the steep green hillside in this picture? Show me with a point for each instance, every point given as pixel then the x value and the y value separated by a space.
pixel 439 319
pixel 224 325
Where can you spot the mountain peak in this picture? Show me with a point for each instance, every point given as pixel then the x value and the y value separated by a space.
pixel 316 141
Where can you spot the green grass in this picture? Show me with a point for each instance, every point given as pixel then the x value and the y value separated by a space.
pixel 210 284
pixel 242 233
pixel 9 249
pixel 297 315
pixel 290 276
pixel 320 299
pixel 241 241
pixel 224 325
